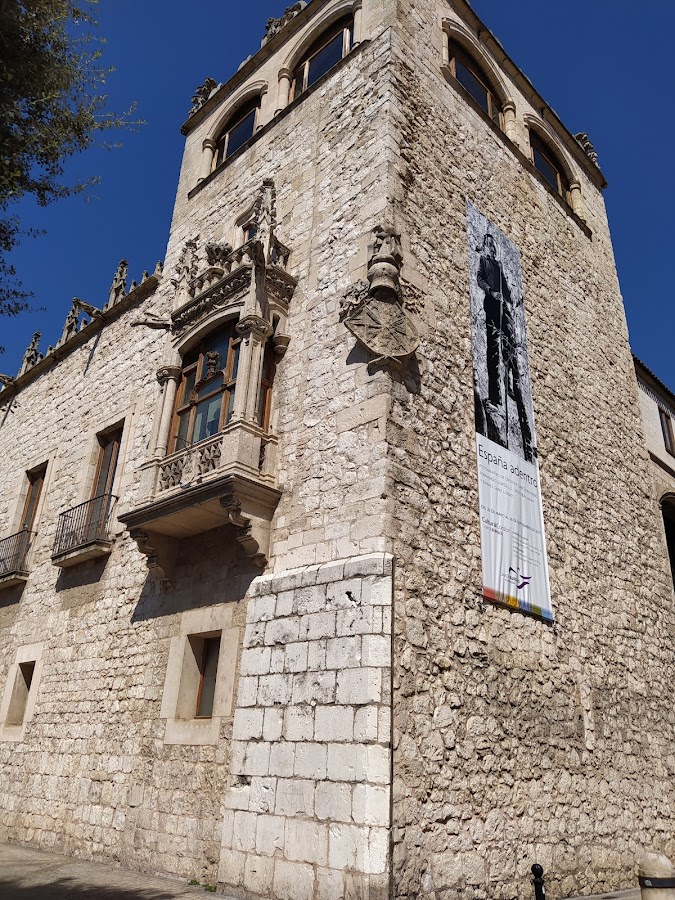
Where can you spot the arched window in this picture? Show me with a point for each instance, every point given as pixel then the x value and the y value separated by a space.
pixel 205 398
pixel 474 80
pixel 238 129
pixel 668 510
pixel 326 52
pixel 547 163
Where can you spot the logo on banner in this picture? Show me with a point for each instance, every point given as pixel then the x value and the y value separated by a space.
pixel 521 581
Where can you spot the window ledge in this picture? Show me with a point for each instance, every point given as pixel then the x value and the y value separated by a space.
pixel 278 117
pixel 192 732
pixel 517 152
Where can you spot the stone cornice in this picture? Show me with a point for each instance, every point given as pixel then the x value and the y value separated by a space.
pixel 96 325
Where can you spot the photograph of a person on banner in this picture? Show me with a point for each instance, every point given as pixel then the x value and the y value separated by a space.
pixel 503 360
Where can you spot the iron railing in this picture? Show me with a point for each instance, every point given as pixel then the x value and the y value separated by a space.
pixel 83 524
pixel 13 552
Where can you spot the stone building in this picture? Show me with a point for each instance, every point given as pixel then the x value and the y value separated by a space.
pixel 657 405
pixel 242 633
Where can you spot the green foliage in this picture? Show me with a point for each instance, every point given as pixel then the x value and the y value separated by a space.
pixel 52 106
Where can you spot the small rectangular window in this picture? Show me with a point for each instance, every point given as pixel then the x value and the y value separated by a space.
pixel 667 430
pixel 208 671
pixel 19 701
pixel 199 674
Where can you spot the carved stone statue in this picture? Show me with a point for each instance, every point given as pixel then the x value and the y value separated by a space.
pixel 588 147
pixel 118 288
pixel 274 26
pixel 202 94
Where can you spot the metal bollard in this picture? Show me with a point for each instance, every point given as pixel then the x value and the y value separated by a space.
pixel 656 877
pixel 538 881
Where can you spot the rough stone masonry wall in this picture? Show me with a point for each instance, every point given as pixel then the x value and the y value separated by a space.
pixel 515 742
pixel 308 809
pixel 92 776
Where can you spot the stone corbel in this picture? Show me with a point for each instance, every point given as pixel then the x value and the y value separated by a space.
pixel 252 533
pixel 161 553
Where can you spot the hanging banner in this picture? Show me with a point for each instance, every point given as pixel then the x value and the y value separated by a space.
pixel 513 544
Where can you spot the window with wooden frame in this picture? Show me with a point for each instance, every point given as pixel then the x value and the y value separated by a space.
pixel 208 672
pixel 474 80
pixel 36 480
pixel 106 466
pixel 205 398
pixel 547 164
pixel 333 45
pixel 238 129
pixel 266 382
pixel 667 430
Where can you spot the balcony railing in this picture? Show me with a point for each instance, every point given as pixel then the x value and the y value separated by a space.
pixel 13 552
pixel 83 525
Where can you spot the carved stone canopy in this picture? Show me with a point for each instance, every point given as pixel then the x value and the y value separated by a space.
pixel 254 277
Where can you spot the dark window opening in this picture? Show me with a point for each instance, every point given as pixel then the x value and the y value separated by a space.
pixel 668 509
pixel 237 131
pixel 208 670
pixel 667 431
pixel 473 79
pixel 325 53
pixel 19 700
pixel 546 163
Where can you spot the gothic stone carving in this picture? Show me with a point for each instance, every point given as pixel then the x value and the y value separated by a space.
pixel 274 26
pixel 118 288
pixel 245 530
pixel 202 94
pixel 588 147
pixel 374 312
pixel 32 356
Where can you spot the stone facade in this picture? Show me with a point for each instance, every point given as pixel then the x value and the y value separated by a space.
pixel 376 731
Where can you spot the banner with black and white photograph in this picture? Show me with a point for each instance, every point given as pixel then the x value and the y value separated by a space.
pixel 513 543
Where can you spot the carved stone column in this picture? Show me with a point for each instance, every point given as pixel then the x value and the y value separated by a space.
pixel 509 112
pixel 575 199
pixel 168 377
pixel 446 48
pixel 208 152
pixel 284 91
pixel 255 332
pixel 357 9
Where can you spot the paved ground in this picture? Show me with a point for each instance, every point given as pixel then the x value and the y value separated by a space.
pixel 27 874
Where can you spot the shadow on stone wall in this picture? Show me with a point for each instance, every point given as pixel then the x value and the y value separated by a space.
pixel 210 569
pixel 70 889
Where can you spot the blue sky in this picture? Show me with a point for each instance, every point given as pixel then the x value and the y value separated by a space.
pixel 603 67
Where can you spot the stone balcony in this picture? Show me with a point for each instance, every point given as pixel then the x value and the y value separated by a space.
pixel 206 486
pixel 13 555
pixel 82 532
